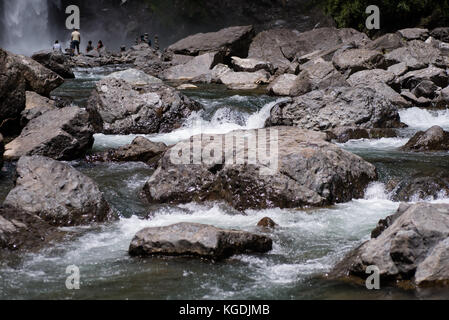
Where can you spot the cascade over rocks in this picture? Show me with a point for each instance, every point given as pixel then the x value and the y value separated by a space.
pixel 411 245
pixel 197 240
pixel 305 171
pixel 57 193
pixel 19 74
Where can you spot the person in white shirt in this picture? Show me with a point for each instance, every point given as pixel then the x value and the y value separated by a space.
pixel 57 47
pixel 76 40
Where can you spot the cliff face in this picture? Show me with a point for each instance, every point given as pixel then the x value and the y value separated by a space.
pixel 118 22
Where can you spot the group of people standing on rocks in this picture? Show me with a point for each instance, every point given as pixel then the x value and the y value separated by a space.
pixel 145 38
pixel 75 41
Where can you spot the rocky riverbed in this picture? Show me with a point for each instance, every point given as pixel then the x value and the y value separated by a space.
pixel 362 126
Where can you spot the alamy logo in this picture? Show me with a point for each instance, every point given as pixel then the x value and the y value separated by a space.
pixel 73 20
pixel 73 280
pixel 373 281
pixel 373 21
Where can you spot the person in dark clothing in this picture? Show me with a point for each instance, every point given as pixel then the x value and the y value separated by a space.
pixel 100 45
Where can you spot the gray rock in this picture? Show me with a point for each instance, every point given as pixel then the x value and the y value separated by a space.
pixel 344 134
pixel 56 62
pixel 336 107
pixel 232 41
pixel 441 34
pixel 419 188
pixel 354 60
pixel 282 85
pixel 315 75
pixel 398 69
pixel 197 67
pixel 57 193
pixel 426 89
pixel 414 34
pixel 305 171
pixel 118 107
pixel 140 150
pixel 386 43
pixel 416 55
pixel 61 134
pixel 413 248
pixel 434 139
pixel 18 75
pixel 251 65
pixel 443 99
pixel 197 240
pixel 369 77
pixel 244 80
pixel 2 150
pixel 412 79
pixel 421 102
pixel 36 105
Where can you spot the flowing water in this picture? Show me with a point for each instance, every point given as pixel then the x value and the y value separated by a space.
pixel 306 246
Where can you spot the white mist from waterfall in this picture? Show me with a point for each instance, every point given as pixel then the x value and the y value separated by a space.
pixel 26 24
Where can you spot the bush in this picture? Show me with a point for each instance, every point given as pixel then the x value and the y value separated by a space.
pixel 394 14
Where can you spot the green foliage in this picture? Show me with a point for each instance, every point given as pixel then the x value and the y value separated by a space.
pixel 394 14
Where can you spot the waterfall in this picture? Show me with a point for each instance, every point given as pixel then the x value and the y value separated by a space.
pixel 25 26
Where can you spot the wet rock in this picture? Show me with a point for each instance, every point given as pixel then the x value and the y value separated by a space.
pixel 57 193
pixel 197 240
pixel 18 75
pixel 36 105
pixel 119 107
pixel 134 77
pixel 315 75
pixel 267 223
pixel 281 47
pixel 305 171
pixel 336 107
pixel 414 34
pixel 244 80
pixel 386 43
pixel 251 65
pixel 232 41
pixel 413 248
pixel 140 150
pixel 412 79
pixel 56 62
pixel 354 60
pixel 197 67
pixel 344 134
pixel 282 85
pixel 419 188
pixel 434 139
pixel 20 230
pixel 61 134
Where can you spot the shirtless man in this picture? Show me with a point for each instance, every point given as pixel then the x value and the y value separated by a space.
pixel 76 40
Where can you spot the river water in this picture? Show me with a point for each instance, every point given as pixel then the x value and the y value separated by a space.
pixel 306 246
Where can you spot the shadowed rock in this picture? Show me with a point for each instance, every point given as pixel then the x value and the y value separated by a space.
pixel 434 139
pixel 56 62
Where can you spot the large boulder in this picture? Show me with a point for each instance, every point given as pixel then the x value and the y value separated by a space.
pixel 353 60
pixel 386 43
pixel 434 139
pixel 57 193
pixel 414 34
pixel 20 230
pixel 140 150
pixel 61 134
pixel 244 80
pixel 199 66
pixel 56 62
pixel 283 85
pixel 419 187
pixel 281 47
pixel 232 41
pixel 411 245
pixel 119 107
pixel 301 170
pixel 135 77
pixel 336 107
pixel 412 79
pixel 19 74
pixel 197 240
pixel 2 150
pixel 251 65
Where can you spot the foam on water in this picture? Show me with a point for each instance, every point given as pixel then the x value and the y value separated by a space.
pixel 375 144
pixel 424 119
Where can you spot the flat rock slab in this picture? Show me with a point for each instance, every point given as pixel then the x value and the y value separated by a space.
pixel 197 240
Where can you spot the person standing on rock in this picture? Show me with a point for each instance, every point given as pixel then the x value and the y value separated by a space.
pixel 76 40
